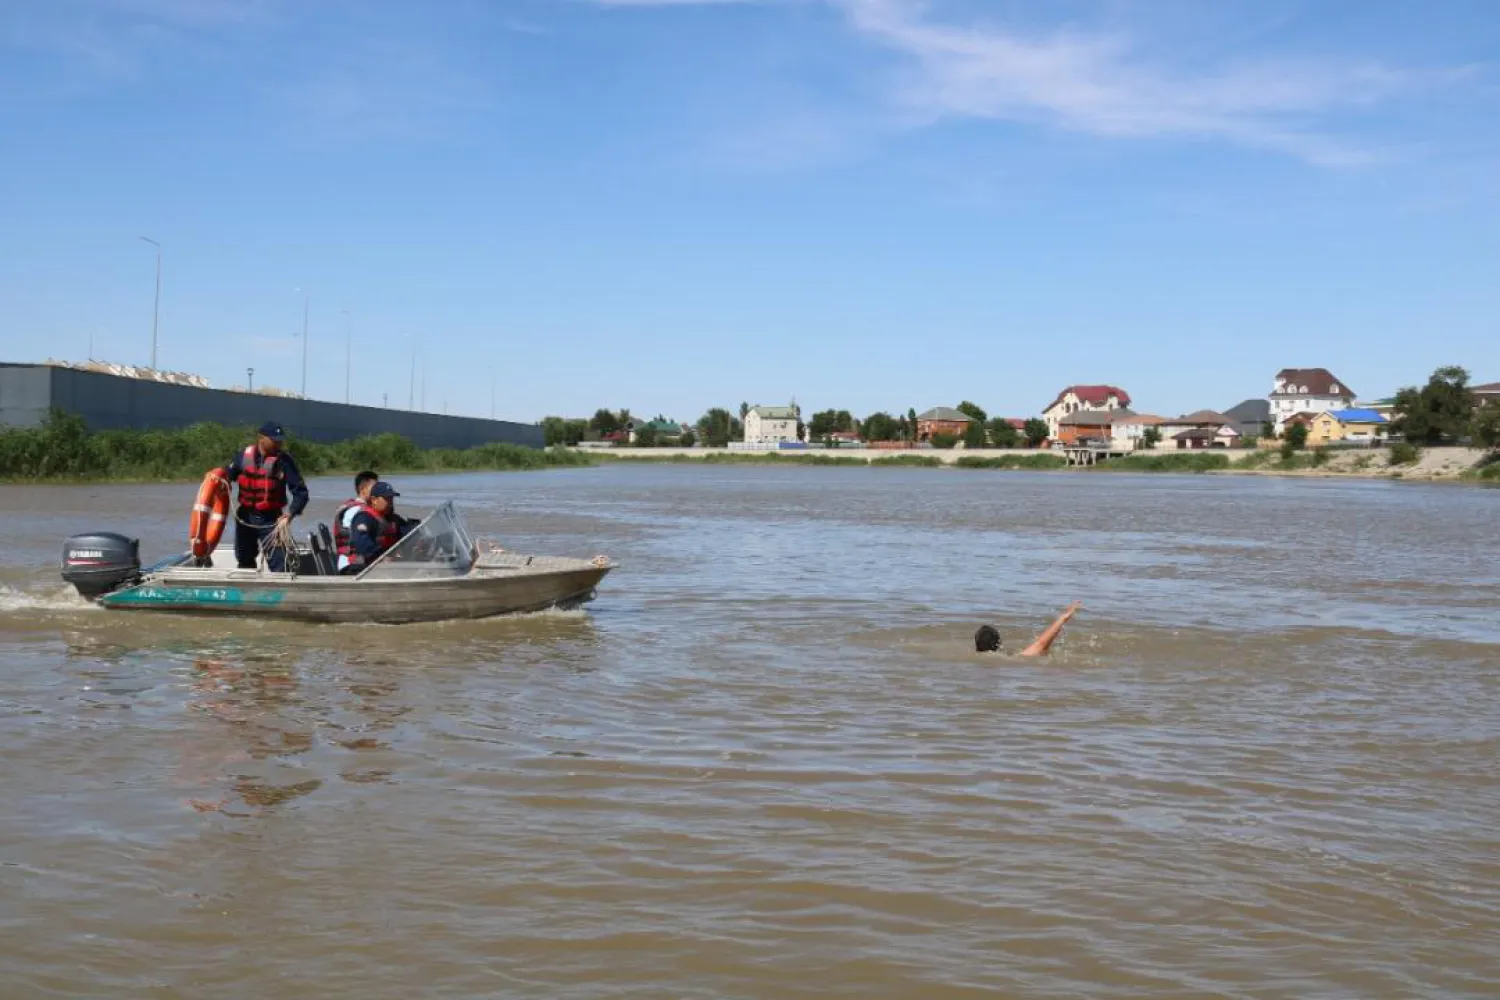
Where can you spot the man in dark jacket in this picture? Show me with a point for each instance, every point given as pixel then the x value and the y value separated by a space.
pixel 265 475
pixel 367 530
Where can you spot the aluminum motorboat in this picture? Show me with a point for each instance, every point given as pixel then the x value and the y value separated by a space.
pixel 437 572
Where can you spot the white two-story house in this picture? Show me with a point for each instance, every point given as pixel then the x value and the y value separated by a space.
pixel 1083 397
pixel 1307 390
pixel 771 425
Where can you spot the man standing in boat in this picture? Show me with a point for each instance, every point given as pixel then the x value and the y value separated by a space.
pixel 265 475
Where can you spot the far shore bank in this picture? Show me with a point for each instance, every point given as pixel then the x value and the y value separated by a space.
pixel 1433 465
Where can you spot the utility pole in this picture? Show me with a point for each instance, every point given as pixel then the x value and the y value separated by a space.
pixel 492 392
pixel 306 305
pixel 348 352
pixel 156 306
pixel 385 400
pixel 411 399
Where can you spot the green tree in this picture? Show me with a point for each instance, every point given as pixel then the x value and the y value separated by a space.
pixel 1035 432
pixel 604 422
pixel 880 426
pixel 973 412
pixel 1268 429
pixel 716 427
pixel 974 436
pixel 942 440
pixel 1486 426
pixel 744 411
pixel 645 436
pixel 559 431
pixel 1442 410
pixel 1152 437
pixel 1003 435
pixel 904 430
pixel 1293 439
pixel 687 440
pixel 823 423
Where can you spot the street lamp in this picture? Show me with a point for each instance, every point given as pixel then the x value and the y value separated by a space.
pixel 156 306
pixel 250 374
pixel 348 351
pixel 306 304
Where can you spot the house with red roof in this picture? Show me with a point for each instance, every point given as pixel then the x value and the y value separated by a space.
pixel 1076 398
pixel 1307 390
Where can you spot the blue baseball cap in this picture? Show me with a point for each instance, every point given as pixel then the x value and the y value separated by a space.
pixel 383 490
pixel 272 430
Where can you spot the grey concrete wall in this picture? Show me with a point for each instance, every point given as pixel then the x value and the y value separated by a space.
pixel 110 402
pixel 25 394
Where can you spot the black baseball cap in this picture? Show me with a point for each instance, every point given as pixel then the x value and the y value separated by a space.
pixel 383 490
pixel 272 430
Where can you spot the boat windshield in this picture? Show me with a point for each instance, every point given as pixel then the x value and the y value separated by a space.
pixel 440 546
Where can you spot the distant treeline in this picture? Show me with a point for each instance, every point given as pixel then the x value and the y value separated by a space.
pixel 64 448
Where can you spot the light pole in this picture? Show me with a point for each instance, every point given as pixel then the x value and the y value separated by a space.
pixel 306 305
pixel 411 399
pixel 250 374
pixel 348 351
pixel 492 392
pixel 156 306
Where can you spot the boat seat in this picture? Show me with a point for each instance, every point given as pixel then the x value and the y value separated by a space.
pixel 322 551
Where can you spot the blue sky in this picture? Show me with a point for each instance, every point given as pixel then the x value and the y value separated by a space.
pixel 671 205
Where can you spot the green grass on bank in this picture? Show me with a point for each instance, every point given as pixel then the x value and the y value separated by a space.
pixel 727 458
pixel 1167 461
pixel 64 449
pixel 1037 460
pixel 1489 472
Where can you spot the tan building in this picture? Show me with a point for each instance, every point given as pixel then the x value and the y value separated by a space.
pixel 1365 426
pixel 942 420
pixel 1076 398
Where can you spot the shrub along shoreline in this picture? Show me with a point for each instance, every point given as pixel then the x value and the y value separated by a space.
pixel 63 449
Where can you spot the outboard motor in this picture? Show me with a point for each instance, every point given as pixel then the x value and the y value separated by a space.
pixel 100 562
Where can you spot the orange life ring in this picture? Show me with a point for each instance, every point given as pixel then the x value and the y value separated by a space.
pixel 210 512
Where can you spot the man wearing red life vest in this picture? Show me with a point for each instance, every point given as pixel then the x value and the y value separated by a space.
pixel 265 475
pixel 363 483
pixel 369 528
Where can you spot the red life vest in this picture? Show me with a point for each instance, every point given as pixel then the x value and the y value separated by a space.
pixel 343 536
pixel 261 488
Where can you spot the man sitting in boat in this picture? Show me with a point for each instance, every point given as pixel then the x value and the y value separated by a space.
pixel 367 529
pixel 363 483
pixel 264 473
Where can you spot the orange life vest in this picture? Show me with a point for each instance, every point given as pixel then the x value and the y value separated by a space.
pixel 261 486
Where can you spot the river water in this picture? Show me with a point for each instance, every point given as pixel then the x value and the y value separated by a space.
pixel 767 763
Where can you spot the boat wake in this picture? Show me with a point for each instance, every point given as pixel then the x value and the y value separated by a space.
pixel 19 601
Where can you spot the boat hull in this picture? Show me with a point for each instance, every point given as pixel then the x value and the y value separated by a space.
pixel 516 586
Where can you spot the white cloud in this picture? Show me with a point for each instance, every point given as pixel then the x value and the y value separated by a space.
pixel 1100 84
pixel 1105 83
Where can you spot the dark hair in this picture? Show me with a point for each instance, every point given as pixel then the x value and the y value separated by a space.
pixel 987 639
pixel 365 477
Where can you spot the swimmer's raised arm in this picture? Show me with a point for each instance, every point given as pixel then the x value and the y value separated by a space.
pixel 1043 642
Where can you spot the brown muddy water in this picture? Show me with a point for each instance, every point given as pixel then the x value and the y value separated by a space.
pixel 766 762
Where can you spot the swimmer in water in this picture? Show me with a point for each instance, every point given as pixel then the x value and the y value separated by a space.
pixel 987 639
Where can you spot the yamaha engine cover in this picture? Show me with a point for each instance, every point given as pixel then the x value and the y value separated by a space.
pixel 100 562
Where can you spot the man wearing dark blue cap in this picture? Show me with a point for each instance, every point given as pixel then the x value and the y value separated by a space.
pixel 265 474
pixel 368 529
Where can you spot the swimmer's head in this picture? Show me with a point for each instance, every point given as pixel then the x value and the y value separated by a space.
pixel 987 639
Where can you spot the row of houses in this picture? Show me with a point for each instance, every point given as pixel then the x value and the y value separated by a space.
pixel 1102 416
